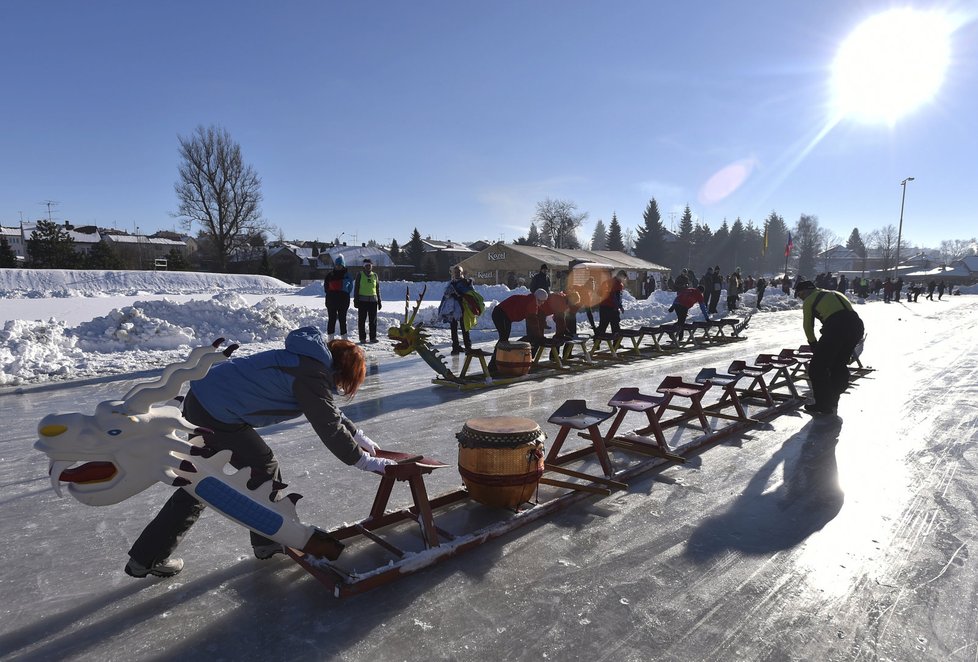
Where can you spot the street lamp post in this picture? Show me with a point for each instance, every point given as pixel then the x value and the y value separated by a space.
pixel 903 198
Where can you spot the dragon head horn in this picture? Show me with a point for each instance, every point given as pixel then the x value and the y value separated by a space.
pixel 139 399
pixel 416 307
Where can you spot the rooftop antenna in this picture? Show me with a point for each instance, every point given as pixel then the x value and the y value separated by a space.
pixel 49 203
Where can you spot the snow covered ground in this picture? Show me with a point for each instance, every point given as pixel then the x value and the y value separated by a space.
pixel 68 325
pixel 841 538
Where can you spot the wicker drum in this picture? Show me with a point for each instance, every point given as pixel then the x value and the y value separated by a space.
pixel 513 359
pixel 500 459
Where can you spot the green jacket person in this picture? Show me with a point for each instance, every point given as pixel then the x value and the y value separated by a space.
pixel 842 329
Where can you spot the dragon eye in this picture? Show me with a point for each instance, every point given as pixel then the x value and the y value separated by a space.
pixel 115 432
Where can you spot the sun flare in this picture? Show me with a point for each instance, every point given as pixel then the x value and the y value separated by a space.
pixel 891 64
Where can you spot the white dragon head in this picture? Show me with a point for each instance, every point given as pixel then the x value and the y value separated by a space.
pixel 126 445
pixel 129 444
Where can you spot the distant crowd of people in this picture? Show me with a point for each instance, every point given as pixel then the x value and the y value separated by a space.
pixel 891 289
pixel 714 283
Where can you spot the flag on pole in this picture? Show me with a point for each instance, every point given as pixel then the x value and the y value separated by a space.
pixel 764 248
pixel 788 246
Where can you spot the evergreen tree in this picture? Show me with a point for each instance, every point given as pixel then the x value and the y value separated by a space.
pixel 8 258
pixel 395 252
pixel 615 241
pixel 753 259
pixel 414 251
pixel 51 247
pixel 175 261
pixel 702 243
pixel 102 256
pixel 686 225
pixel 650 240
pixel 807 239
pixel 681 253
pixel 855 243
pixel 777 239
pixel 735 244
pixel 599 240
pixel 720 257
pixel 533 236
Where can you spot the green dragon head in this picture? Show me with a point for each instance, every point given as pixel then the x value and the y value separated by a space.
pixel 407 337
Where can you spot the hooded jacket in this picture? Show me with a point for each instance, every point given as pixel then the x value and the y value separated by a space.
pixel 278 385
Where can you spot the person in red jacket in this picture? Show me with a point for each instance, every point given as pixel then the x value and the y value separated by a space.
pixel 686 299
pixel 516 308
pixel 559 305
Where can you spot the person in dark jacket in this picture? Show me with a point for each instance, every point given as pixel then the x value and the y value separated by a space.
pixel 715 290
pixel 238 396
pixel 338 286
pixel 842 329
pixel 759 289
pixel 611 306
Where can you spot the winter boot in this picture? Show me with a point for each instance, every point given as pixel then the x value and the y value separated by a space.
pixel 164 568
pixel 264 552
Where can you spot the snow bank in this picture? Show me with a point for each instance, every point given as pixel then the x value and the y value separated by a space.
pixel 38 283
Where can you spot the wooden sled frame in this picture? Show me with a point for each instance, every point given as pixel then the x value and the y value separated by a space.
pixel 440 544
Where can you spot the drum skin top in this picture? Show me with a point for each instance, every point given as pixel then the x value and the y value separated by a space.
pixel 513 344
pixel 502 425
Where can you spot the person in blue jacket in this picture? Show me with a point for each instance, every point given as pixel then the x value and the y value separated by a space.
pixel 238 396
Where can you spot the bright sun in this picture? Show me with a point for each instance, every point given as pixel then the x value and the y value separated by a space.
pixel 892 63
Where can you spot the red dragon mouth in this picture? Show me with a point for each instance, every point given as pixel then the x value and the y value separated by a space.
pixel 90 472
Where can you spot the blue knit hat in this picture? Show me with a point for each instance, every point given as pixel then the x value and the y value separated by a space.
pixel 339 261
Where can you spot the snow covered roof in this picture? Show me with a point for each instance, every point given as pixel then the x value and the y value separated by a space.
pixel 142 239
pixel 354 255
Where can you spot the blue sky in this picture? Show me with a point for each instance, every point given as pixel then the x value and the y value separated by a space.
pixel 371 119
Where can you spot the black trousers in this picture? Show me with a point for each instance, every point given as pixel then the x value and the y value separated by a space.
pixel 161 536
pixel 455 324
pixel 829 367
pixel 714 301
pixel 609 315
pixel 504 326
pixel 337 305
pixel 367 313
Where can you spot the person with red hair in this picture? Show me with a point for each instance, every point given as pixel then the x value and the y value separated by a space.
pixel 238 396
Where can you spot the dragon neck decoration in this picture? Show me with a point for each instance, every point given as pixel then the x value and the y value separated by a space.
pixel 128 445
pixel 410 338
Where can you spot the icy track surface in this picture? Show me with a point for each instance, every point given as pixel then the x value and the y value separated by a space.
pixel 844 538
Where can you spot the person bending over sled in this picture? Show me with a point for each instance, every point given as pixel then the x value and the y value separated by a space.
pixel 842 329
pixel 242 394
pixel 685 300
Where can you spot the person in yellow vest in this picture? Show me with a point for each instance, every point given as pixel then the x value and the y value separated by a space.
pixel 842 329
pixel 366 299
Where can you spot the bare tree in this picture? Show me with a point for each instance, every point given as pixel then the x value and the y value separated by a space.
pixel 827 241
pixel 956 249
pixel 558 221
pixel 884 240
pixel 218 191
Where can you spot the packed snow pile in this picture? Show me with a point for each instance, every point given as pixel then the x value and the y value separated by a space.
pixel 36 283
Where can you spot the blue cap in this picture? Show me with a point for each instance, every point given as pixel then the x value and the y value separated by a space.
pixel 339 261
